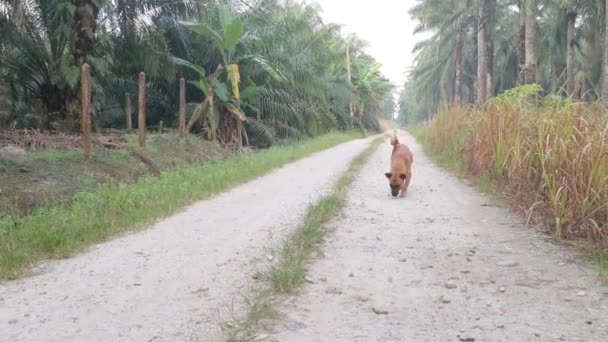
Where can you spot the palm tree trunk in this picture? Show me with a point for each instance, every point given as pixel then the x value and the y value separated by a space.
pixel 521 56
pixel 490 17
pixel 83 42
pixel 530 69
pixel 349 77
pixel 83 30
pixel 605 63
pixel 473 94
pixel 126 10
pixel 490 78
pixel 482 59
pixel 570 67
pixel 458 60
pixel 17 13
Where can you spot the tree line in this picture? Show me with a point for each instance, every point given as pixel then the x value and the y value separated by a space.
pixel 259 71
pixel 479 48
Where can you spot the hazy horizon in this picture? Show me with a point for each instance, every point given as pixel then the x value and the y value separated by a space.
pixel 388 32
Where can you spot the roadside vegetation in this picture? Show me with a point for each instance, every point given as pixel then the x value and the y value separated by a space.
pixel 268 69
pixel 257 74
pixel 513 93
pixel 550 160
pixel 59 230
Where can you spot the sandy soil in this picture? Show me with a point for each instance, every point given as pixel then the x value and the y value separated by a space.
pixel 442 264
pixel 166 283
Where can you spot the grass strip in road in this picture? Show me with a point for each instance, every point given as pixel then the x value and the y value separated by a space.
pixel 289 270
pixel 61 230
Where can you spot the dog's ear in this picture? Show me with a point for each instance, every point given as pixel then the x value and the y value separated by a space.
pixel 388 175
pixel 402 176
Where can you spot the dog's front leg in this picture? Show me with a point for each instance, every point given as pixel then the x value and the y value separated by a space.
pixel 403 190
pixel 406 185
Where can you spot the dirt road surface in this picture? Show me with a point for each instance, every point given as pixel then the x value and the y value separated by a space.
pixel 167 283
pixel 440 265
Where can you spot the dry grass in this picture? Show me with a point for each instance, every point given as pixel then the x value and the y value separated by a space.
pixel 550 156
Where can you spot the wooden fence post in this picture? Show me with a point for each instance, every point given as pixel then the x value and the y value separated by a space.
pixel 128 111
pixel 85 114
pixel 182 110
pixel 142 110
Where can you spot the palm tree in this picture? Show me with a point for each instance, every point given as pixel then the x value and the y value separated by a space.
pixel 311 57
pixel 270 69
pixel 33 62
pixel 558 44
pixel 449 20
pixel 291 84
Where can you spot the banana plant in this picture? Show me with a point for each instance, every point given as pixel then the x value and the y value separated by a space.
pixel 369 86
pixel 224 83
pixel 210 86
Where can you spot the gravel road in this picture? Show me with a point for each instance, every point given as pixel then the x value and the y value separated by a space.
pixel 166 283
pixel 443 264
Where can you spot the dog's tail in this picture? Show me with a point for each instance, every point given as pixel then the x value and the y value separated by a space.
pixel 394 139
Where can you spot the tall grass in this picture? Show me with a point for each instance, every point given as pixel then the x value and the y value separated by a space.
pixel 549 156
pixel 59 231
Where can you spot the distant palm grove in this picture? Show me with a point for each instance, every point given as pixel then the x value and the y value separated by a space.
pixel 478 48
pixel 270 66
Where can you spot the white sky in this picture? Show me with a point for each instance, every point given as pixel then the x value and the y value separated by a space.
pixel 384 24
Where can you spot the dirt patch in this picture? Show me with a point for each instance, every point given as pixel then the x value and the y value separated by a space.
pixel 38 168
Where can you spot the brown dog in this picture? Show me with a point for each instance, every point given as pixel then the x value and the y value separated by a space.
pixel 401 168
